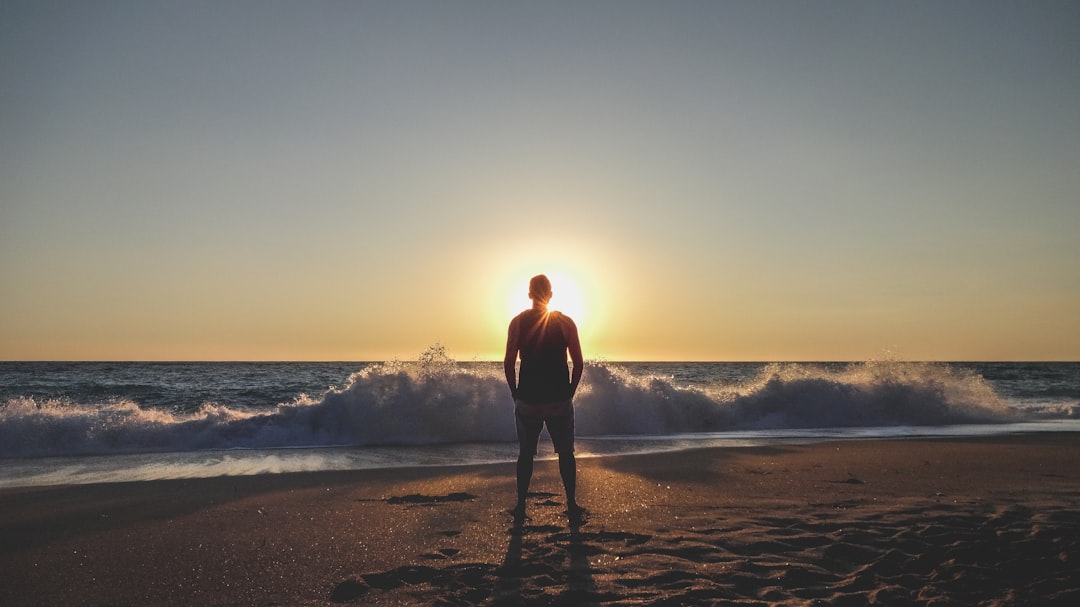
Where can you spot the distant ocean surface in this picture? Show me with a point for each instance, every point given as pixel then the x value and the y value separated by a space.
pixel 101 422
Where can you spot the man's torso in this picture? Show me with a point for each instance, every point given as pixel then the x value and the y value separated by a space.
pixel 545 375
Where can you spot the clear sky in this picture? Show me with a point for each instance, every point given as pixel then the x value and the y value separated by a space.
pixel 349 180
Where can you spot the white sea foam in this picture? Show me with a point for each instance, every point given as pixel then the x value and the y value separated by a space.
pixel 437 401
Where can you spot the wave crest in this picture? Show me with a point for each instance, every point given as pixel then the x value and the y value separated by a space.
pixel 437 400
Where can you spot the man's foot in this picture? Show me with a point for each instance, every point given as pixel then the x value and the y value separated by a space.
pixel 577 514
pixel 518 512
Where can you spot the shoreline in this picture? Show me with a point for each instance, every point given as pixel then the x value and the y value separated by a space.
pixel 148 466
pixel 902 521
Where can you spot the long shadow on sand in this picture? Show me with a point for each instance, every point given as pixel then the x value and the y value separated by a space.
pixel 544 564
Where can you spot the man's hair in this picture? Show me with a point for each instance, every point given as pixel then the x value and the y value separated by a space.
pixel 540 288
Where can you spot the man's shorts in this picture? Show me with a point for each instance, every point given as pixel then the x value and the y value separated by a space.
pixel 559 417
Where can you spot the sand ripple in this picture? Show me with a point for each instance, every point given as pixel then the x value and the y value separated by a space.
pixel 934 555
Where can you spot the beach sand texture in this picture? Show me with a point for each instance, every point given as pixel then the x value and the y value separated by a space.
pixel 988 521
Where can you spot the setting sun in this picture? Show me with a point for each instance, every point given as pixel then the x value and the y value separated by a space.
pixel 566 297
pixel 582 283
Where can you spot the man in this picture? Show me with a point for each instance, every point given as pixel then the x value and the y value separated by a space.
pixel 544 391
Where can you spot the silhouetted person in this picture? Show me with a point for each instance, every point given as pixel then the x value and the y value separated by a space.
pixel 544 392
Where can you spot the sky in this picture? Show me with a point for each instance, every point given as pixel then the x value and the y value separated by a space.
pixel 352 180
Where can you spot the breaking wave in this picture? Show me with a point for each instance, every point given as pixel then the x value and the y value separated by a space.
pixel 437 400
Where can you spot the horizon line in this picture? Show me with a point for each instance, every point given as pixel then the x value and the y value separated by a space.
pixel 493 360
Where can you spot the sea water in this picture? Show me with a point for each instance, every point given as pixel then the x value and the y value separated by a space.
pixel 102 422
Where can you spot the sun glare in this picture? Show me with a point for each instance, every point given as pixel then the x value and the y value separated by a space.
pixel 580 285
pixel 566 297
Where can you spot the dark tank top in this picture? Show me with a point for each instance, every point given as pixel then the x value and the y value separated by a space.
pixel 545 376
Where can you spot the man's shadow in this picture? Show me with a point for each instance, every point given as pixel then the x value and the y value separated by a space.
pixel 580 585
pixel 507 589
pixel 543 557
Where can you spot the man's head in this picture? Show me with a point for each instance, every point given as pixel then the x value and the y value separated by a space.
pixel 540 289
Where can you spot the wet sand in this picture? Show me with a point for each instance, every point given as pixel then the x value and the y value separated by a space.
pixel 987 521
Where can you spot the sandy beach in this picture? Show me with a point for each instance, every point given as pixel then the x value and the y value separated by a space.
pixel 989 521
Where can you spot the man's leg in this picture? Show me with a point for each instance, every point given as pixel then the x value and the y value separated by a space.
pixel 524 476
pixel 568 471
pixel 561 430
pixel 528 432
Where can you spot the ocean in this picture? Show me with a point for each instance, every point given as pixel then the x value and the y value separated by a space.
pixel 87 422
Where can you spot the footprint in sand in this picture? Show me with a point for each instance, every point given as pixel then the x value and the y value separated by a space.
pixel 441 554
pixel 417 498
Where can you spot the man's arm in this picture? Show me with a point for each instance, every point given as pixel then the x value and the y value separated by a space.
pixel 510 359
pixel 574 344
